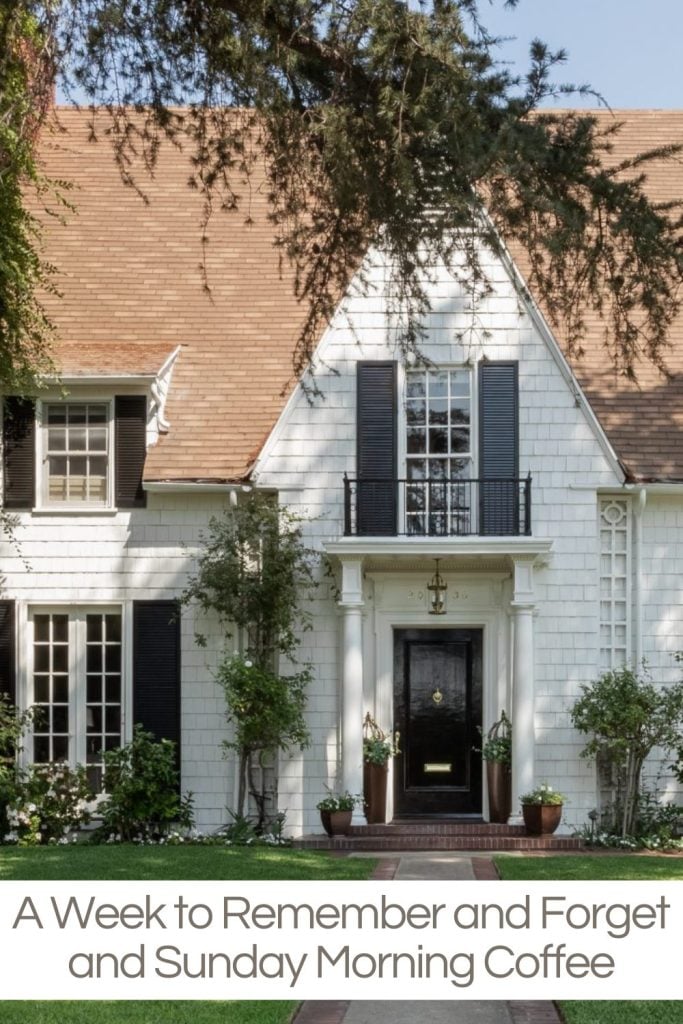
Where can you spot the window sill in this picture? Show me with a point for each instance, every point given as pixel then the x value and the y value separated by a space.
pixel 85 510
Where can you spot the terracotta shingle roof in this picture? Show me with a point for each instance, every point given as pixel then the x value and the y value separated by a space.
pixel 643 420
pixel 132 291
pixel 123 360
pixel 130 278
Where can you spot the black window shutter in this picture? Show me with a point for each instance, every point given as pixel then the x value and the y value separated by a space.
pixel 19 460
pixel 376 411
pixel 131 437
pixel 7 651
pixel 498 448
pixel 156 669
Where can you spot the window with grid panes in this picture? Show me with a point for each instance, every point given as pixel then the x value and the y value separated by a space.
pixel 438 452
pixel 76 683
pixel 76 453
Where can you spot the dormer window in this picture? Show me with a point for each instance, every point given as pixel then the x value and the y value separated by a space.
pixel 74 457
pixel 76 454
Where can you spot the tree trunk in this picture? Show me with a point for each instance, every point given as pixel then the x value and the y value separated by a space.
pixel 242 788
pixel 634 766
pixel 258 795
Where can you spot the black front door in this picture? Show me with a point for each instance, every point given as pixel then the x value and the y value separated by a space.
pixel 437 686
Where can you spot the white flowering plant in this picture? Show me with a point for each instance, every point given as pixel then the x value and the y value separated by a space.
pixel 51 803
pixel 339 801
pixel 543 794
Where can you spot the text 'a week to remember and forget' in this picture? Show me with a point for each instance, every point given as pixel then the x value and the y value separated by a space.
pixel 341 940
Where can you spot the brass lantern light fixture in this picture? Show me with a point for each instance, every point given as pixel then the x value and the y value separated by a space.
pixel 437 588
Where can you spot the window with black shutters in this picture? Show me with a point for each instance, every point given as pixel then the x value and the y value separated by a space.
pixel 74 455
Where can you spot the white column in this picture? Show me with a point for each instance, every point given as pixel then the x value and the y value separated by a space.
pixel 351 604
pixel 523 733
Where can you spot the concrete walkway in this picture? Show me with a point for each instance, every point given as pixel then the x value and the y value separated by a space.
pixel 436 866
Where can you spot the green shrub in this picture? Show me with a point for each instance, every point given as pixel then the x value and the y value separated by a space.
pixel 13 725
pixel 656 827
pixel 50 802
pixel 142 790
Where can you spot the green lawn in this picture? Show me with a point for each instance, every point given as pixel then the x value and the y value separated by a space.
pixel 188 1012
pixel 623 1013
pixel 159 863
pixel 595 867
pixel 600 867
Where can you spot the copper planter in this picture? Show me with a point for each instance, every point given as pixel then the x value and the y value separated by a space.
pixel 375 793
pixel 336 823
pixel 499 779
pixel 541 819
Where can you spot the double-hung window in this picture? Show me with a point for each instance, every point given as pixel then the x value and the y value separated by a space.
pixel 76 440
pixel 76 685
pixel 438 452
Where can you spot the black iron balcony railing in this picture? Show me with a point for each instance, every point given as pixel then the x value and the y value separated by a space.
pixel 437 508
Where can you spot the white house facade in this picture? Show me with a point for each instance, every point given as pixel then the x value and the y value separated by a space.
pixel 517 479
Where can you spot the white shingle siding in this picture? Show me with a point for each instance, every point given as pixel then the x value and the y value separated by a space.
pixel 558 446
pixel 137 555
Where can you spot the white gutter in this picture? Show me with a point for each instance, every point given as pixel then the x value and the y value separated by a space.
pixel 663 488
pixel 195 487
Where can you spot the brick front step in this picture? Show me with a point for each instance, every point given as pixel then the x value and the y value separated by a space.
pixel 444 827
pixel 431 841
pixel 396 843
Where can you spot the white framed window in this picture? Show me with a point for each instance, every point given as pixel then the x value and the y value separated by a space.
pixel 76 682
pixel 439 448
pixel 76 445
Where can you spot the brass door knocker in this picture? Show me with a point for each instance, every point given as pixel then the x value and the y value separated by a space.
pixel 437 696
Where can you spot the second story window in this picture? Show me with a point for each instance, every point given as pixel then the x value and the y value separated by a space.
pixel 74 457
pixel 76 453
pixel 438 448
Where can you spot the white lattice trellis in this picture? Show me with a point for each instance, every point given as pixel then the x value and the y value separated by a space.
pixel 615 582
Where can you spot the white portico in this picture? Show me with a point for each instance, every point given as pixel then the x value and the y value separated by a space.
pixel 490 597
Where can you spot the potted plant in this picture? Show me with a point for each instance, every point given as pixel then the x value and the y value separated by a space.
pixel 336 811
pixel 497 752
pixel 542 810
pixel 377 749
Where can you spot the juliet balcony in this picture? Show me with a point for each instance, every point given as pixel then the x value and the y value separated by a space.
pixel 495 507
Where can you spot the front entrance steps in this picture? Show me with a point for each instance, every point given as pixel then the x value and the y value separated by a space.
pixel 437 834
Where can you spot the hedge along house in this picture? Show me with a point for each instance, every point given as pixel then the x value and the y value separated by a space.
pixel 548 497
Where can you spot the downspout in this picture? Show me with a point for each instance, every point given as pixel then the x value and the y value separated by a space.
pixel 638 575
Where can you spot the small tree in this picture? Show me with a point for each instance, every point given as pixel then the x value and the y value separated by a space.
pixel 256 573
pixel 627 717
pixel 267 712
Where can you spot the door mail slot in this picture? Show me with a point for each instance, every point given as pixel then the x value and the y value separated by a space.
pixel 434 769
